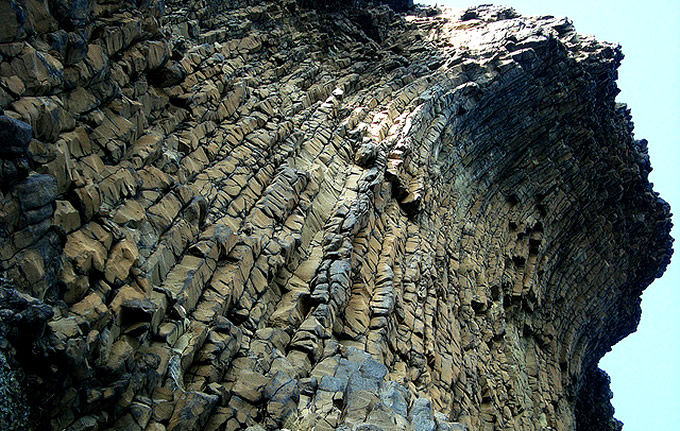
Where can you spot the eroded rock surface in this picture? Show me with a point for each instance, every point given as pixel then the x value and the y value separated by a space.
pixel 226 214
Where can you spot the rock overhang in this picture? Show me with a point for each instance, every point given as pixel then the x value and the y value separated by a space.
pixel 247 202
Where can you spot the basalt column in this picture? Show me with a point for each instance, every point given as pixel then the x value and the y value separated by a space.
pixel 225 214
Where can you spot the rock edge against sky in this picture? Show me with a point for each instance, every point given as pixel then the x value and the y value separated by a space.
pixel 314 216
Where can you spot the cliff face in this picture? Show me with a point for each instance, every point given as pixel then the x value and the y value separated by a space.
pixel 241 213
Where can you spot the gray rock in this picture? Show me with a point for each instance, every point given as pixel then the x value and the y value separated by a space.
pixel 14 137
pixel 443 423
pixel 346 368
pixel 366 427
pixel 14 410
pixel 308 385
pixel 332 384
pixel 393 395
pixel 365 154
pixel 340 271
pixel 373 369
pixel 357 382
pixel 192 411
pixel 76 48
pixel 283 394
pixel 75 13
pixel 37 191
pixel 420 415
pixel 282 387
pixel 39 214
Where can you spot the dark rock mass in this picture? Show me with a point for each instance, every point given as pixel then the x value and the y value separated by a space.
pixel 314 215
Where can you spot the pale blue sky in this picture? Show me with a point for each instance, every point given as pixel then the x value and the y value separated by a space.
pixel 644 367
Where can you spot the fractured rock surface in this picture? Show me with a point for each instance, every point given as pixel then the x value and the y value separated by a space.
pixel 225 214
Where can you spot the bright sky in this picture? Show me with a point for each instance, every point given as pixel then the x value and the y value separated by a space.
pixel 644 367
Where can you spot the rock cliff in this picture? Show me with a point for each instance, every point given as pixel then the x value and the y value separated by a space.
pixel 225 214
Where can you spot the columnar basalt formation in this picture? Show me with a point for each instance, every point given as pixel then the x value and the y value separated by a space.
pixel 226 214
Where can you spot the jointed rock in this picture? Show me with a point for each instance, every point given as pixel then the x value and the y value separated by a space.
pixel 223 214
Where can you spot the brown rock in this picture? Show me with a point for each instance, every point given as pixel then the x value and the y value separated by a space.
pixel 250 386
pixel 192 411
pixel 92 309
pixel 11 15
pixel 66 216
pixel 39 71
pixel 88 201
pixel 85 251
pixel 242 216
pixel 123 255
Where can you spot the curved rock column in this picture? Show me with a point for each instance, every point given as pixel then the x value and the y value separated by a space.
pixel 227 214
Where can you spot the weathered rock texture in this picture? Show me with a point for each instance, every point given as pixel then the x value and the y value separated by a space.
pixel 222 214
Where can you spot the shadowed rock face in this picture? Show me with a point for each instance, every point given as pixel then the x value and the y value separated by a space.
pixel 397 5
pixel 234 214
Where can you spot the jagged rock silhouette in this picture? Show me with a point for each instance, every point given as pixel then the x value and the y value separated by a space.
pixel 226 214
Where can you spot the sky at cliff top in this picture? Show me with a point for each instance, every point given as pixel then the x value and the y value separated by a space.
pixel 645 366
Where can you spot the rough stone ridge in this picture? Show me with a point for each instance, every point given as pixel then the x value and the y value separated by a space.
pixel 231 214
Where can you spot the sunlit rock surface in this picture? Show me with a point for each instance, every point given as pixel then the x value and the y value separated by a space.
pixel 225 214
